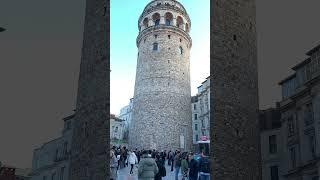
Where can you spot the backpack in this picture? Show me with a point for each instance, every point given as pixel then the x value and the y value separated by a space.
pixel 205 165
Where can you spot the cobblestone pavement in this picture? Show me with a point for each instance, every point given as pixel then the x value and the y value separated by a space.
pixel 123 174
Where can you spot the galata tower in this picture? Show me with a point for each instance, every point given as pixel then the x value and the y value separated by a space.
pixel 162 96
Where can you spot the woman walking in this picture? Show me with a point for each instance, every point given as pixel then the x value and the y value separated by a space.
pixel 113 166
pixel 132 160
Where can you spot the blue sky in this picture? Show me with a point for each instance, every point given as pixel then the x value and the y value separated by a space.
pixel 124 16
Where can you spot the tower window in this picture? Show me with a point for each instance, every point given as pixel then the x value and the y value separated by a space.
pixel 234 37
pixel 180 40
pixel 181 50
pixel 157 22
pixel 155 46
pixel 169 18
pixel 155 36
pixel 169 36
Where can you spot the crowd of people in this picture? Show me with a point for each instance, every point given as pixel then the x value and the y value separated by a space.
pixel 151 163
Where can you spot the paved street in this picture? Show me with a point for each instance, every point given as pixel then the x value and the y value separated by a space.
pixel 123 174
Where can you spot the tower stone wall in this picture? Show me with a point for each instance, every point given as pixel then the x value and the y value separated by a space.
pixel 162 95
pixel 89 155
pixel 235 144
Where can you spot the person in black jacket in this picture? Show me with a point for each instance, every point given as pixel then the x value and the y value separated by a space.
pixel 193 168
pixel 162 169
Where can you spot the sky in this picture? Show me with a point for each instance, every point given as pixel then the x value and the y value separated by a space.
pixel 123 49
pixel 41 49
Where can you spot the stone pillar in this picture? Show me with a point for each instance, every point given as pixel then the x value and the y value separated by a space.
pixel 89 149
pixel 235 92
pixel 162 20
pixel 174 22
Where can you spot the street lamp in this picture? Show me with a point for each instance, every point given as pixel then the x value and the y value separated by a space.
pixel 2 29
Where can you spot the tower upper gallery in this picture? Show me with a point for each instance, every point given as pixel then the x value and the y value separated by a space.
pixel 164 14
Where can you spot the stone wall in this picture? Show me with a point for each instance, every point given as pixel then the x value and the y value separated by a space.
pixel 236 149
pixel 90 139
pixel 162 96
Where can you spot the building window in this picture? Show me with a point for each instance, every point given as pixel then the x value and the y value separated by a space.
pixel 155 46
pixel 274 173
pixel 181 50
pixel 65 148
pixel 273 144
pixel 156 19
pixel 197 137
pixel 53 176
pixel 62 173
pixel 308 115
pixel 293 157
pixel 312 145
pixel 290 126
pixel 194 106
pixel 155 36
pixel 169 18
pixel 196 127
pixel 195 116
pixel 169 36
pixel 56 155
pixel 44 178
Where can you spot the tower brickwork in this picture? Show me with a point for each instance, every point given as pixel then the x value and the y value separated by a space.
pixel 162 97
pixel 89 155
pixel 235 144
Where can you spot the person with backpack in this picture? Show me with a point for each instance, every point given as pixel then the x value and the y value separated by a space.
pixel 148 168
pixel 177 164
pixel 162 169
pixel 204 167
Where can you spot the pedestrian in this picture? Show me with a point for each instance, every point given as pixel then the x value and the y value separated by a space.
pixel 204 167
pixel 184 166
pixel 132 160
pixel 162 169
pixel 177 164
pixel 113 166
pixel 138 156
pixel 193 167
pixel 148 168
pixel 172 160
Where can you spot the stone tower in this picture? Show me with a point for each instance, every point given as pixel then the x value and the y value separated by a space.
pixel 90 138
pixel 236 146
pixel 162 97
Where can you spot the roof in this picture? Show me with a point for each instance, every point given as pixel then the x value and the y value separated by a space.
pixel 301 64
pixel 287 79
pixel 69 117
pixel 309 53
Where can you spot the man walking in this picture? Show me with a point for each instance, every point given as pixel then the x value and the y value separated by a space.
pixel 177 163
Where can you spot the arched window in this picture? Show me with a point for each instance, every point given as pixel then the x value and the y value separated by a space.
pixel 181 50
pixel 146 22
pixel 155 46
pixel 187 27
pixel 156 19
pixel 168 16
pixel 179 22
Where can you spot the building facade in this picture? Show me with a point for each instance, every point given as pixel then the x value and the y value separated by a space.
pixel 300 116
pixel 161 116
pixel 196 127
pixel 126 115
pixel 52 160
pixel 271 144
pixel 117 130
pixel 200 107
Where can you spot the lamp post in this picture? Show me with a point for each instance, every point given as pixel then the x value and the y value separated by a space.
pixel 2 29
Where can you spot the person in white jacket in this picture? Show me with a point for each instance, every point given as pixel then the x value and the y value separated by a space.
pixel 132 160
